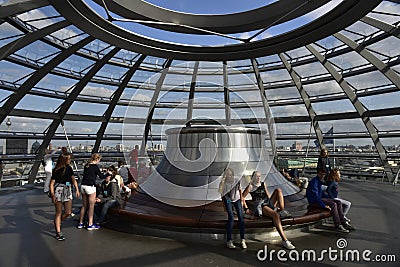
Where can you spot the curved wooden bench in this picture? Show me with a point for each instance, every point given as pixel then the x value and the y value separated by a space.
pixel 142 209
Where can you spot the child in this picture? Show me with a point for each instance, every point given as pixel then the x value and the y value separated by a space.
pixel 332 191
pixel 231 195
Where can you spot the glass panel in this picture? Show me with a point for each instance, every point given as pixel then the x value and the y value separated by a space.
pixel 69 35
pixel 337 106
pixel 80 128
pixel 347 126
pixel 38 52
pixel 368 80
pixel 328 43
pixel 111 73
pixel 281 94
pixel 289 111
pixel 323 88
pixel 309 70
pixel 3 95
pixel 362 28
pixel 387 7
pixel 272 76
pixel 170 113
pixel 272 60
pixel 8 34
pixel 174 97
pixel 98 90
pixel 85 108
pixel 32 102
pixel 136 112
pixel 114 128
pixel 389 123
pixel 76 65
pixel 177 82
pixel 11 72
pixel 55 83
pixel 383 101
pixel 41 16
pixel 348 61
pixel 389 46
pixel 119 111
pixel 25 124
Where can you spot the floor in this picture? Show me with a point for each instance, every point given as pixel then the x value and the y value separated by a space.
pixel 27 238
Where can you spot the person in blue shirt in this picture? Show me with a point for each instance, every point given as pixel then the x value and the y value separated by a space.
pixel 333 191
pixel 317 198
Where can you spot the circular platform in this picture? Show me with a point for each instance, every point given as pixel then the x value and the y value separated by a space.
pixel 144 215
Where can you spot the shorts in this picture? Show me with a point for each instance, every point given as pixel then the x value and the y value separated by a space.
pixel 259 204
pixel 88 189
pixel 63 193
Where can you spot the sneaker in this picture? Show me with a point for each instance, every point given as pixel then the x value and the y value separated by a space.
pixel 243 243
pixel 92 227
pixel 60 237
pixel 80 226
pixel 348 226
pixel 340 228
pixel 284 214
pixel 347 219
pixel 288 245
pixel 230 244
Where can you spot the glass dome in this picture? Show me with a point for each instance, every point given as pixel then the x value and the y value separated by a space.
pixel 108 75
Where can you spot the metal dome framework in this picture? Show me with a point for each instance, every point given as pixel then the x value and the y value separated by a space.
pixel 341 68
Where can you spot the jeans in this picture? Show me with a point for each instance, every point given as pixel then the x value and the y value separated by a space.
pixel 230 222
pixel 345 204
pixel 102 209
pixel 336 210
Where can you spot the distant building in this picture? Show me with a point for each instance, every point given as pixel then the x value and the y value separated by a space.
pixel 16 146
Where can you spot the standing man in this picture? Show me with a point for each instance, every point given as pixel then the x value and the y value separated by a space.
pixel 134 157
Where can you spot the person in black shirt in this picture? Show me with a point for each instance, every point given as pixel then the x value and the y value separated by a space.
pixel 61 182
pixel 88 189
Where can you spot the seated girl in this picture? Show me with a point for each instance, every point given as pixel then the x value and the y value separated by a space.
pixel 265 204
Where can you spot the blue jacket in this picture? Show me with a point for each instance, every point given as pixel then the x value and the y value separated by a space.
pixel 314 192
pixel 332 189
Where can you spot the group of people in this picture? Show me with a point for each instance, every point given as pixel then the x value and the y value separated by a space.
pixel 272 205
pixel 96 199
pixel 321 192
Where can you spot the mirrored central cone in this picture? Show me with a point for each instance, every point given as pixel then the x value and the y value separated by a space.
pixel 196 157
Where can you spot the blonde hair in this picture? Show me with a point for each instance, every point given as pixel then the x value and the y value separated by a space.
pixel 223 180
pixel 94 157
pixel 334 175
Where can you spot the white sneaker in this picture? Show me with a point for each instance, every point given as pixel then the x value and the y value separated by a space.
pixel 230 244
pixel 347 219
pixel 243 243
pixel 288 245
pixel 284 214
pixel 340 228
